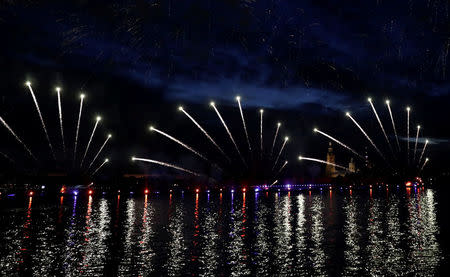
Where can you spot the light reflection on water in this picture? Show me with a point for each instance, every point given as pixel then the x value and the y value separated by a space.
pixel 289 234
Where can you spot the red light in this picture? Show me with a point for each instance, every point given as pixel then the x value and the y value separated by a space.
pixel 31 193
pixel 146 191
pixel 408 184
pixel 63 189
pixel 197 190
pixel 90 192
pixel 244 189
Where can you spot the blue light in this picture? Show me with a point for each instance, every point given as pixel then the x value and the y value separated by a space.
pixel 232 191
pixel 75 193
pixel 256 189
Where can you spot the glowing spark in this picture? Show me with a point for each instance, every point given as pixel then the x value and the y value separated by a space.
pixel 203 131
pixel 365 134
pixel 407 132
pixel 379 122
pixel 228 131
pixel 426 161
pixel 40 117
pixel 339 142
pixel 281 150
pixel 423 151
pixel 238 99
pixel 283 166
pixel 276 181
pixel 321 161
pixel 58 90
pixel 17 137
pixel 166 165
pixel 415 144
pixel 97 120
pixel 179 142
pixel 78 128
pixel 7 157
pixel 98 153
pixel 261 129
pixel 393 122
pixel 98 168
pixel 275 138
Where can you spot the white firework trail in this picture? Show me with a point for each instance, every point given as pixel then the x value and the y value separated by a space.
pixel 166 165
pixel 17 137
pixel 275 138
pixel 228 131
pixel 99 151
pixel 366 135
pixel 274 182
pixel 321 161
pixel 261 129
pixel 423 151
pixel 282 167
pixel 204 132
pixel 339 142
pixel 58 91
pixel 281 150
pixel 238 99
pixel 179 142
pixel 40 117
pixel 78 128
pixel 426 161
pixel 408 109
pixel 415 144
pixel 380 123
pixel 90 139
pixel 7 157
pixel 393 123
pixel 98 168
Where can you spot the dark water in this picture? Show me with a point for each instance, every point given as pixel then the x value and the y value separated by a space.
pixel 297 233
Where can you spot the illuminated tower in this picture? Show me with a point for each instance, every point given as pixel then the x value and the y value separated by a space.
pixel 352 166
pixel 330 170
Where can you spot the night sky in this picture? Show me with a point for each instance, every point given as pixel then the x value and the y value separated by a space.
pixel 305 62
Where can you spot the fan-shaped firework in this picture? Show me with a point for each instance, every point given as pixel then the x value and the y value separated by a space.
pixel 60 162
pixel 235 161
pixel 403 161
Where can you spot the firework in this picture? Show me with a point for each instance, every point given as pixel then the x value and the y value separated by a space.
pixel 282 167
pixel 166 165
pixel 338 142
pixel 17 137
pixel 423 151
pixel 40 117
pixel 97 120
pixel 379 122
pixel 98 168
pixel 426 161
pixel 388 103
pixel 58 91
pixel 78 127
pixel 415 144
pixel 203 131
pixel 179 142
pixel 408 109
pixel 281 150
pixel 321 161
pixel 275 138
pixel 228 131
pixel 238 99
pixel 261 129
pixel 101 148
pixel 365 134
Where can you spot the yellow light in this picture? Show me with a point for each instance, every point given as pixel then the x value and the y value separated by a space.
pixel 28 83
pixel 279 123
pixel 133 158
pixel 238 98
pixel 286 138
pixel 408 109
pixel 58 89
pixel 418 126
pixel 109 135
pixel 106 160
pixel 82 95
pixel 300 157
pixel 369 99
pixel 387 101
pixel 347 114
pixel 151 128
pixel 99 118
pixel 315 130
pixel 180 108
pixel 212 103
pixel 261 110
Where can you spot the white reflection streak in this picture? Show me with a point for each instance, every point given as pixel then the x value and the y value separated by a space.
pixel 177 248
pixel 146 252
pixel 352 234
pixel 282 235
pixel 126 265
pixel 301 247
pixel 317 230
